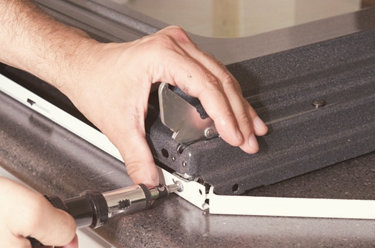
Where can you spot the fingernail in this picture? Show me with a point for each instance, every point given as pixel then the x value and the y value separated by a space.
pixel 253 143
pixel 259 124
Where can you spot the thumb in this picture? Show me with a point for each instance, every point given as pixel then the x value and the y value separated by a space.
pixel 137 156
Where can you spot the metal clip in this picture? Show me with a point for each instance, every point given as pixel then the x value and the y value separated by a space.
pixel 183 118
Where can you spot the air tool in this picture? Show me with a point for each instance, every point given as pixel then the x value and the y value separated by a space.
pixel 93 208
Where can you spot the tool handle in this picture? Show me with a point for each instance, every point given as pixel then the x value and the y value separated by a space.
pixel 88 209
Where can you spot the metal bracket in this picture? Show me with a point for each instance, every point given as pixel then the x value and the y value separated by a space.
pixel 183 118
pixel 195 192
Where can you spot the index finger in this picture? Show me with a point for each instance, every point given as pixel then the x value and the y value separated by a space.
pixel 35 216
pixel 197 81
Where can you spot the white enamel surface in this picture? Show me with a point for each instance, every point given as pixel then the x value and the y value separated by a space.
pixel 292 207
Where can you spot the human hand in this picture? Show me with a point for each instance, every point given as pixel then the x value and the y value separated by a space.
pixel 114 82
pixel 26 213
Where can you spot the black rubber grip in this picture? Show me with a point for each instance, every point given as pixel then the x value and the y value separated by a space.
pixel 35 243
pixel 88 209
pixel 147 193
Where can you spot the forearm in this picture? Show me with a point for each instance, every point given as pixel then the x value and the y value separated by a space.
pixel 110 84
pixel 33 41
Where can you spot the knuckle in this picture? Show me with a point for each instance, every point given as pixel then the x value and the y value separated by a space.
pixel 243 120
pixel 132 167
pixel 227 80
pixel 213 58
pixel 161 41
pixel 211 82
pixel 177 30
pixel 221 64
pixel 178 33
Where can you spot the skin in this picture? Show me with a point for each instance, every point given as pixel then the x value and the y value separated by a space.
pixel 23 213
pixel 110 84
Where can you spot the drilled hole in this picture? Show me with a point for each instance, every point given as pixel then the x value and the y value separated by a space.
pixel 200 192
pixel 235 187
pixel 165 153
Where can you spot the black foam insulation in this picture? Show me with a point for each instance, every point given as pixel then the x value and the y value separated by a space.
pixel 302 138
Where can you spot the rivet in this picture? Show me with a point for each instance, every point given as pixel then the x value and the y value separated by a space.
pixel 209 132
pixel 184 164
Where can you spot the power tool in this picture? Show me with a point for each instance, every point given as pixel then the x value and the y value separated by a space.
pixel 93 208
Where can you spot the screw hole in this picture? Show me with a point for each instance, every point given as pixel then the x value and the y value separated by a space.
pixel 235 188
pixel 165 153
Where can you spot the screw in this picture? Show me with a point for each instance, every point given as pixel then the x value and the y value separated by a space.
pixel 184 164
pixel 180 148
pixel 209 132
pixel 180 187
pixel 318 103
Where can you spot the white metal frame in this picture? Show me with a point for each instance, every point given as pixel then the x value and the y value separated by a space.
pixel 194 192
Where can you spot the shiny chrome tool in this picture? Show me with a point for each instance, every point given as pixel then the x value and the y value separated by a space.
pixel 184 115
pixel 135 198
pixel 92 208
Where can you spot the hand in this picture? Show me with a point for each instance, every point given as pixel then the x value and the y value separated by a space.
pixel 26 213
pixel 114 83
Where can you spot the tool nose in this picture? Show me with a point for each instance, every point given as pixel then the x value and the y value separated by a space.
pixel 176 187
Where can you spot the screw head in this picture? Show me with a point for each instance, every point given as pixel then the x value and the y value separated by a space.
pixel 209 132
pixel 180 148
pixel 319 102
